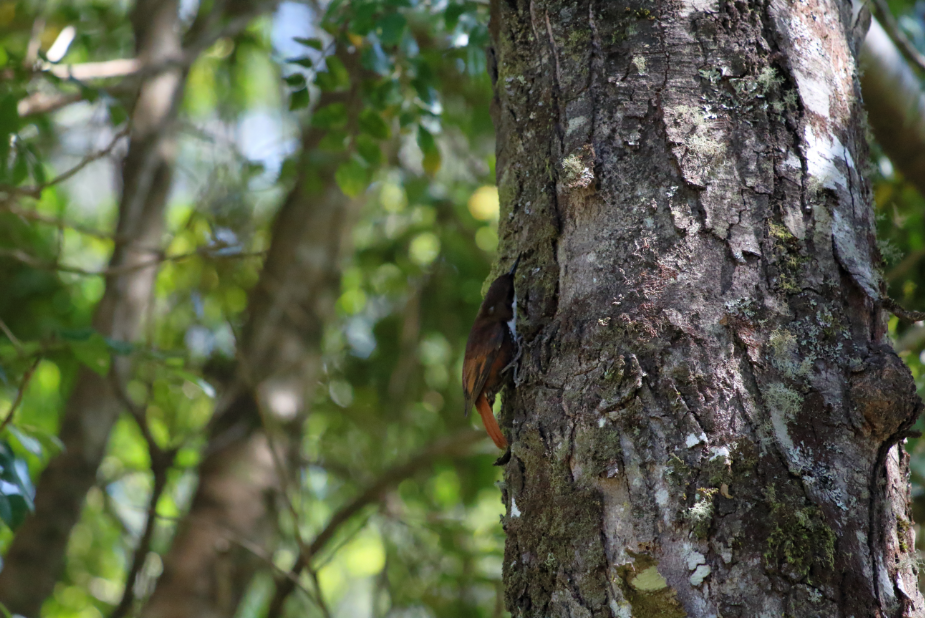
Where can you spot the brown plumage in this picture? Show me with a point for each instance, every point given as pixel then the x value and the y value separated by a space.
pixel 489 350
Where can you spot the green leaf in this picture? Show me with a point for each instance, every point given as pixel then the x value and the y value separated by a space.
pixel 452 14
pixel 117 113
pixel 369 149
pixel 17 474
pixel 296 80
pixel 372 123
pixel 426 141
pixel 335 78
pixel 352 178
pixel 76 334
pixel 36 167
pixel 333 116
pixel 326 82
pixel 27 442
pixel 6 456
pixel 50 443
pixel 432 158
pixel 20 167
pixel 122 348
pixel 93 353
pixel 377 60
pixel 21 506
pixel 333 141
pixel 362 17
pixel 6 511
pixel 9 123
pixel 391 28
pixel 298 99
pixel 313 43
pixel 302 61
pixel 207 388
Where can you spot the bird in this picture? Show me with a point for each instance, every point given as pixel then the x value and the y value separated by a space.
pixel 490 351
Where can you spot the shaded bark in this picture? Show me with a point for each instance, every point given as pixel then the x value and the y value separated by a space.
pixel 209 566
pixel 709 414
pixel 36 556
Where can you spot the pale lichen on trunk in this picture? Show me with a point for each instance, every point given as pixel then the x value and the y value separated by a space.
pixel 708 411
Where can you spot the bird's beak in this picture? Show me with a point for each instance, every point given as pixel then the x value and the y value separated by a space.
pixel 514 267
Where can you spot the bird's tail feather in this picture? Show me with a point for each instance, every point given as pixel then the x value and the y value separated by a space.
pixel 491 425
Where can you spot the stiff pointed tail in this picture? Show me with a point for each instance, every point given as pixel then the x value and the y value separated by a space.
pixel 491 425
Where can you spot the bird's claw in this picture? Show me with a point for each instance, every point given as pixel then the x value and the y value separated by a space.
pixel 515 366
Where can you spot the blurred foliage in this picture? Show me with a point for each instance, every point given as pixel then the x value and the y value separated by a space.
pixel 422 155
pixel 900 210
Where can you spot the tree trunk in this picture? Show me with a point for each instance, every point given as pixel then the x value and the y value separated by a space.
pixel 709 415
pixel 234 512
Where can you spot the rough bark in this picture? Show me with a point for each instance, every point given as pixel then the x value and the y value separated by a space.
pixel 36 555
pixel 234 511
pixel 709 416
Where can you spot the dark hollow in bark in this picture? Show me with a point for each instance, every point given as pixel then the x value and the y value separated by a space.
pixel 709 415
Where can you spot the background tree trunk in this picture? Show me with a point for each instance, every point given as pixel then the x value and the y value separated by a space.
pixel 710 415
pixel 240 491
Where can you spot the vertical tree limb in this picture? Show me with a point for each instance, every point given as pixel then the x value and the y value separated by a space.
pixel 895 104
pixel 278 365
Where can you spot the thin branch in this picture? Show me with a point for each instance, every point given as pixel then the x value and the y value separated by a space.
pixel 106 69
pixel 900 312
pixel 245 544
pixel 137 412
pixel 285 484
pixel 908 50
pixel 205 252
pixel 161 462
pixel 159 469
pixel 43 103
pixel 19 394
pixel 451 446
pixel 36 190
pixel 61 224
pixel 13 338
pixel 129 69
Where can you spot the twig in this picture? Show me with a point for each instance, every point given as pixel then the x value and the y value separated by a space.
pixel 245 544
pixel 19 393
pixel 159 469
pixel 451 446
pixel 42 103
pixel 205 252
pixel 137 412
pixel 161 462
pixel 13 339
pixel 61 224
pixel 106 69
pixel 908 50
pixel 903 314
pixel 36 190
pixel 304 555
